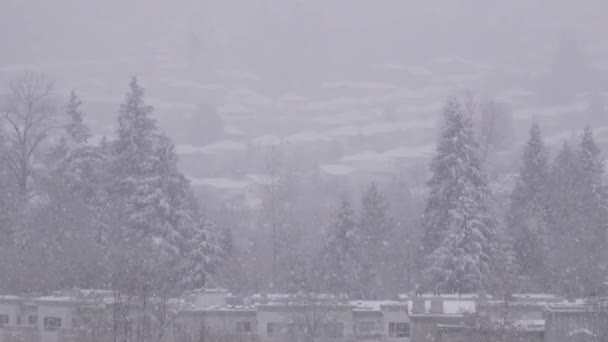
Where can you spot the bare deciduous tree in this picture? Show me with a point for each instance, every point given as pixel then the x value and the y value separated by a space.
pixel 28 115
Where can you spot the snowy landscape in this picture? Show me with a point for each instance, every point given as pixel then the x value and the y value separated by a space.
pixel 283 170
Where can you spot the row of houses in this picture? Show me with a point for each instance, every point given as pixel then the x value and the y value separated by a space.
pixel 216 315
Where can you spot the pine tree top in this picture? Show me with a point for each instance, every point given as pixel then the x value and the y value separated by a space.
pixel 534 171
pixel 76 128
pixel 134 119
pixel 589 154
pixel 374 219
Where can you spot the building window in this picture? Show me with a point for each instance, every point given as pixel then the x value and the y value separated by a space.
pixel 366 327
pixel 279 329
pixel 52 323
pixel 399 329
pixel 32 319
pixel 243 327
pixel 333 330
pixel 3 319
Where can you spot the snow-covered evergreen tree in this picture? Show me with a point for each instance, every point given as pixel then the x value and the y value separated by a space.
pixel 526 218
pixel 204 253
pixel 153 198
pixel 340 251
pixel 460 233
pixel 564 220
pixel 375 227
pixel 78 131
pixel 594 214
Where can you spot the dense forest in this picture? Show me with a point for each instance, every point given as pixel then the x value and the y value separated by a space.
pixel 118 214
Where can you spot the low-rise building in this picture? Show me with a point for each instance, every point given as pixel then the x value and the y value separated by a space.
pixel 577 321
pixel 288 317
pixel 214 315
pixel 60 317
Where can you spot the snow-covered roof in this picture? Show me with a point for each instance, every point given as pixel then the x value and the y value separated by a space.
pixel 221 183
pixel 160 103
pixel 216 147
pixel 184 83
pixel 223 146
pixel 375 305
pixel 450 306
pixel 407 152
pixel 358 85
pixel 337 169
pixel 232 130
pixel 343 131
pixel 365 156
pixel 267 140
pixel 307 136
pixel 550 111
pixel 581 331
pixel 264 179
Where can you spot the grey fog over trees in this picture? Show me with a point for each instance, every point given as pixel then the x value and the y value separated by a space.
pixel 118 213
pixel 360 148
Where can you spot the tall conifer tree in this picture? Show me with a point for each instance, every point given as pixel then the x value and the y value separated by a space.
pixel 526 218
pixel 460 233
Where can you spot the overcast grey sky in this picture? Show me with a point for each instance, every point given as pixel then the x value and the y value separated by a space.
pixel 42 29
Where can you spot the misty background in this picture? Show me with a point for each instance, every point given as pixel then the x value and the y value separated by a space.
pixel 331 95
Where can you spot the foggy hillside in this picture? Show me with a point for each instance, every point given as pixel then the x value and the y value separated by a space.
pixel 275 127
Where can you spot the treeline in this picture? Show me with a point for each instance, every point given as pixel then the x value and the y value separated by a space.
pixel 116 215
pixel 552 236
pixel 119 215
pixel 549 235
